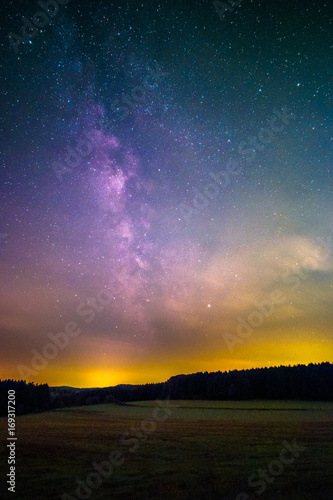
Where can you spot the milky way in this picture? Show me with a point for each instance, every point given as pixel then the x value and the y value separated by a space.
pixel 179 162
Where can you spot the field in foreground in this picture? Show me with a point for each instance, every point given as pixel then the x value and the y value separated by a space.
pixel 199 450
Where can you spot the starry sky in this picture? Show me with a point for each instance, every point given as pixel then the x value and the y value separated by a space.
pixel 166 188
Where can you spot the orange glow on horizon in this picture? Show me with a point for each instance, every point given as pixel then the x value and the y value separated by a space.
pixel 154 372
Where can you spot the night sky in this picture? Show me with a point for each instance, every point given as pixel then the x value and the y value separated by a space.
pixel 166 188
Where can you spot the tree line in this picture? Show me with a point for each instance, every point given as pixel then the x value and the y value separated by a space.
pixel 29 397
pixel 313 382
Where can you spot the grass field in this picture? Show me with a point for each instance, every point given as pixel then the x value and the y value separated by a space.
pixel 200 450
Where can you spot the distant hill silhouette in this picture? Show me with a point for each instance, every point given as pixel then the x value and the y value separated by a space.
pixel 313 382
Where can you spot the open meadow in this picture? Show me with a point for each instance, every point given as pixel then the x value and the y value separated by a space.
pixel 175 450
